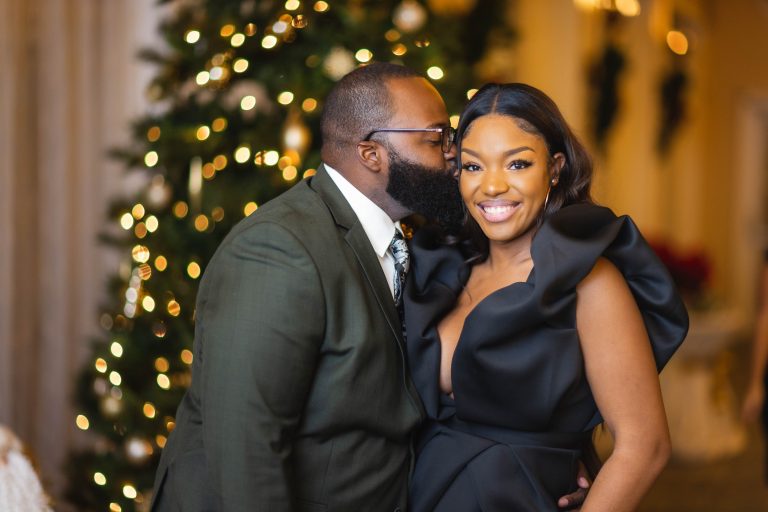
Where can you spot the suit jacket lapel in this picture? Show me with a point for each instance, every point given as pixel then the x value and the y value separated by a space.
pixel 358 241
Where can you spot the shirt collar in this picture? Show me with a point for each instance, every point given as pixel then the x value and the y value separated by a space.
pixel 378 226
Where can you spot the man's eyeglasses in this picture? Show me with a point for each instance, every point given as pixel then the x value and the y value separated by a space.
pixel 447 134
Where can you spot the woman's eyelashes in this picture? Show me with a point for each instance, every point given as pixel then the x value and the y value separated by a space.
pixel 519 164
pixel 515 165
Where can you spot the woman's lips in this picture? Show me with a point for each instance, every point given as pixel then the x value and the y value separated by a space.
pixel 497 211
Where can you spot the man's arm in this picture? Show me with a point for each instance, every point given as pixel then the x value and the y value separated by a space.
pixel 262 327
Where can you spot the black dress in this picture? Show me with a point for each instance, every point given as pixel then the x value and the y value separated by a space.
pixel 512 437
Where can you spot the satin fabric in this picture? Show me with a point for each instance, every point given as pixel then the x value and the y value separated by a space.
pixel 512 436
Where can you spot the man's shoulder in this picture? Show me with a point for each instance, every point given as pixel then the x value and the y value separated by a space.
pixel 299 211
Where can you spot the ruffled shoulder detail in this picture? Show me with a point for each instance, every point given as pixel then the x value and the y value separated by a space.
pixel 567 247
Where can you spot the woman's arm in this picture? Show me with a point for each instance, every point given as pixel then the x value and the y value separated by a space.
pixel 622 374
pixel 753 401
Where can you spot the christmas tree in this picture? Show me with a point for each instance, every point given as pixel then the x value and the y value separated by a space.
pixel 235 121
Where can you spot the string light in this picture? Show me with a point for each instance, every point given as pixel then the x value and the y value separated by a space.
pixel 193 270
pixel 292 5
pixel 217 214
pixel 100 365
pixel 321 6
pixel 435 73
pixel 285 97
pixel 152 223
pixel 677 42
pixel 219 124
pixel 216 73
pixel 192 36
pixel 203 133
pixel 279 27
pixel 392 35
pixel 140 254
pixel 153 134
pixel 309 105
pixel 209 171
pixel 82 422
pixel 129 491
pixel 180 209
pixel 363 55
pixel 399 49
pixel 163 381
pixel 300 21
pixel 271 157
pixel 116 349
pixel 269 42
pixel 240 65
pixel 99 478
pixel 145 271
pixel 290 173
pixel 160 440
pixel 227 30
pixel 149 410
pixel 115 378
pixel 250 29
pixel 220 162
pixel 237 40
pixel 174 308
pixel 202 78
pixel 162 365
pixel 186 356
pixel 454 120
pixel 126 221
pixel 309 172
pixel 248 102
pixel 161 263
pixel 242 154
pixel 114 507
pixel 140 230
pixel 151 159
pixel 249 208
pixel 148 303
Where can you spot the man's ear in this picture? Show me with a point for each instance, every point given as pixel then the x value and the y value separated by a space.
pixel 372 155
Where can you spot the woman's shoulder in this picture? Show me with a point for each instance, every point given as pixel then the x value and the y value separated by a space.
pixel 434 259
pixel 587 244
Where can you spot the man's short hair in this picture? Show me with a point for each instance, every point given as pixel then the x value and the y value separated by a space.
pixel 359 103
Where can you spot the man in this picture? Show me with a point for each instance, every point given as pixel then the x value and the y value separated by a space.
pixel 300 396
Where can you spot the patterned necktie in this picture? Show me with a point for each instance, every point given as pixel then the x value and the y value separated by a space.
pixel 402 263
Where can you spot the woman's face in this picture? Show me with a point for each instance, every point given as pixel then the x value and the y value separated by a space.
pixel 505 176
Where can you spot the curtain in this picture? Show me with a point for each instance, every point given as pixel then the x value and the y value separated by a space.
pixel 69 85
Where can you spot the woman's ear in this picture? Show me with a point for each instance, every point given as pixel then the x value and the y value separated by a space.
pixel 558 161
pixel 372 155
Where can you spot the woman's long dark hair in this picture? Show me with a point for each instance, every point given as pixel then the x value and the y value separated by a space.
pixel 534 112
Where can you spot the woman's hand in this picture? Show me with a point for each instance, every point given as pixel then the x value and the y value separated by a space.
pixel 574 500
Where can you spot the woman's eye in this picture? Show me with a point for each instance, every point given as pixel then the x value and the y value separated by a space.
pixel 470 167
pixel 519 164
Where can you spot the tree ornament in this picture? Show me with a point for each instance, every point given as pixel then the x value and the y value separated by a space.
pixel 138 450
pixel 338 63
pixel 409 16
pixel 296 135
pixel 111 406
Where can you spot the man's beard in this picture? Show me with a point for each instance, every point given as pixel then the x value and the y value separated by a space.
pixel 431 192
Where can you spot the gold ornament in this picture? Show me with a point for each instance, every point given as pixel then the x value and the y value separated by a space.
pixel 451 7
pixel 338 63
pixel 296 135
pixel 111 406
pixel 409 16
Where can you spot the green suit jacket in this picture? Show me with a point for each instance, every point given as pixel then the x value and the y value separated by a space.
pixel 300 396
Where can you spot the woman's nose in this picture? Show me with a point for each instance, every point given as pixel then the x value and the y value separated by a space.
pixel 494 182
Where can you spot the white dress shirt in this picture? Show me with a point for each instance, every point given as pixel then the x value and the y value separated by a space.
pixel 376 223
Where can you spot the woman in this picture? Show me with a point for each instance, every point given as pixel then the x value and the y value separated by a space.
pixel 553 317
